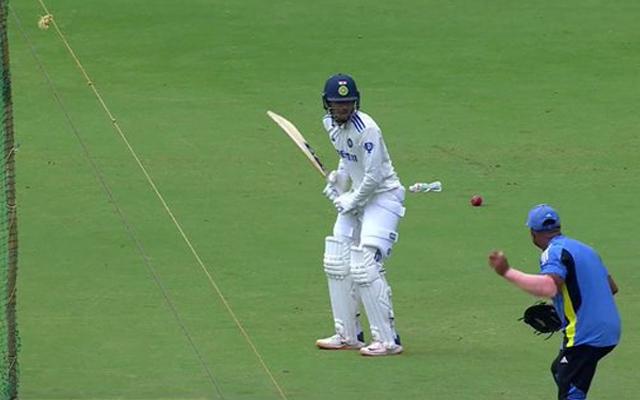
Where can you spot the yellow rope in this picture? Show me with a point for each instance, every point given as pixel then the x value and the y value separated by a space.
pixel 52 22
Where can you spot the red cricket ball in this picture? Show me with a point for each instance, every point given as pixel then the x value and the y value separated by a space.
pixel 476 200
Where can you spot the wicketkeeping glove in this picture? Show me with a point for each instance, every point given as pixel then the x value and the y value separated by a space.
pixel 543 318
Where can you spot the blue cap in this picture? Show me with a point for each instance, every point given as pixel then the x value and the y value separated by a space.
pixel 543 218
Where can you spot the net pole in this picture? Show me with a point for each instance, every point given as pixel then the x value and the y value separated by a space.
pixel 9 232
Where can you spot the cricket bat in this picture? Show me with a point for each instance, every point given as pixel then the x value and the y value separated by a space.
pixel 299 140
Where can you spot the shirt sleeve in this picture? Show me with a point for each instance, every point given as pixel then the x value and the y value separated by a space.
pixel 341 167
pixel 606 270
pixel 551 263
pixel 372 154
pixel 327 123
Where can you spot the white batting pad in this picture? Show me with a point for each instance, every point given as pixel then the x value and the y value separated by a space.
pixel 375 294
pixel 343 292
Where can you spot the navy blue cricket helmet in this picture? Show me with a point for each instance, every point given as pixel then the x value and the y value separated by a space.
pixel 340 88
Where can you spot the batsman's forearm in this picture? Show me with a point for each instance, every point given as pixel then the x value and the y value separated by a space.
pixel 537 285
pixel 341 166
pixel 366 188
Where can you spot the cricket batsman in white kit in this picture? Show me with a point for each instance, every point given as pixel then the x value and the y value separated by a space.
pixel 369 199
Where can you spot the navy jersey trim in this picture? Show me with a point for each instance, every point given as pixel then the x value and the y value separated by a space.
pixel 357 122
pixel 571 280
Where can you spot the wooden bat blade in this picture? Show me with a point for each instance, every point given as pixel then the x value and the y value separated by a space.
pixel 299 140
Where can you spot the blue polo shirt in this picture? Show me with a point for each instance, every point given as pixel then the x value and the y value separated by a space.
pixel 585 302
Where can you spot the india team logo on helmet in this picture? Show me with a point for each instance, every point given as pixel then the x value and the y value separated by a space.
pixel 343 90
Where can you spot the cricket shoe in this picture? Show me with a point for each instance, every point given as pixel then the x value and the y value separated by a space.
pixel 380 349
pixel 337 342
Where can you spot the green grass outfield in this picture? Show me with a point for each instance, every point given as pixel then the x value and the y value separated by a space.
pixel 522 102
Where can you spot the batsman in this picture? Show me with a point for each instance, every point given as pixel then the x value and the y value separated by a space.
pixel 369 199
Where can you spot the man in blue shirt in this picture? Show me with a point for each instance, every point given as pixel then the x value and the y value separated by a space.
pixel 573 275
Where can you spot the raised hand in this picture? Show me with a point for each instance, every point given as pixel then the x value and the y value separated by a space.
pixel 498 261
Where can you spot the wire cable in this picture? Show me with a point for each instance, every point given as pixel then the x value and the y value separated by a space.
pixel 160 197
pixel 112 200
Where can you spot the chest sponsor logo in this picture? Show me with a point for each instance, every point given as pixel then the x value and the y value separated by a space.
pixel 347 156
